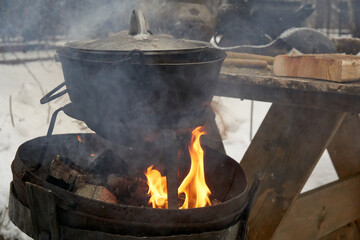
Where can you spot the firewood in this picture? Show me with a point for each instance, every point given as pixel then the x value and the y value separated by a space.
pixel 118 185
pixel 249 63
pixel 73 176
pixel 128 189
pixel 333 67
pixel 140 193
pixel 96 192
pixel 268 59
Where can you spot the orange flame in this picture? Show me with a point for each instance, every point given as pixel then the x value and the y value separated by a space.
pixel 79 138
pixel 193 186
pixel 157 188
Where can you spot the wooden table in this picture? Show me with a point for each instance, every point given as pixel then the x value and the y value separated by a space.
pixel 307 116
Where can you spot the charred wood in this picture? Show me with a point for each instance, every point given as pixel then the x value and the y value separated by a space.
pixel 68 175
pixel 128 189
pixel 111 188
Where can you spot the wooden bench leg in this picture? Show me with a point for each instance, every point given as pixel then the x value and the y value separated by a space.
pixel 284 151
pixel 321 211
pixel 344 151
pixel 348 232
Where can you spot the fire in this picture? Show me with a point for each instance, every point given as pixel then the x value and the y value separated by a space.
pixel 157 188
pixel 79 138
pixel 193 186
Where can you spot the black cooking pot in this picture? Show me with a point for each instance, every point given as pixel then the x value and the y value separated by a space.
pixel 133 83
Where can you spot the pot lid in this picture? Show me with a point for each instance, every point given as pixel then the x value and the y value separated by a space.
pixel 138 37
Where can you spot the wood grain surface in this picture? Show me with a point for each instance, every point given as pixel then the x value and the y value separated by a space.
pixel 332 67
pixel 263 86
pixel 321 211
pixel 344 151
pixel 347 232
pixel 283 153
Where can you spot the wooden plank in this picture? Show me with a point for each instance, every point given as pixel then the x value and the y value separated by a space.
pixel 348 232
pixel 268 59
pixel 262 78
pixel 43 212
pixel 250 63
pixel 332 67
pixel 321 211
pixel 283 153
pixel 344 151
pixel 297 92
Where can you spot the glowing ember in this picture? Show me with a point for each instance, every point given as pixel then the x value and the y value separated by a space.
pixel 79 138
pixel 193 186
pixel 157 188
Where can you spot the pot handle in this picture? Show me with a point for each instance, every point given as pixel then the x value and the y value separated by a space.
pixel 138 23
pixel 51 95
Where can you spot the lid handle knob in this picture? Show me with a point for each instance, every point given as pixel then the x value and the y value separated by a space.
pixel 138 23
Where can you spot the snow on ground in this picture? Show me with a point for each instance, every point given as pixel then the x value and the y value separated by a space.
pixel 26 83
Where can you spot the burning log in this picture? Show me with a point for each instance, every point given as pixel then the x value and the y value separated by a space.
pixel 123 189
pixel 71 175
pixel 96 192
pixel 128 189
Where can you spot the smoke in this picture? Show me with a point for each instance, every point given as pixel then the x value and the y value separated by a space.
pixel 83 19
pixel 47 19
pixel 100 19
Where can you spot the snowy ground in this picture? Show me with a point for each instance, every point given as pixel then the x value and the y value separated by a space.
pixel 26 83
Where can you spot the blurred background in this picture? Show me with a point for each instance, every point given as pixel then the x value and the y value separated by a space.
pixel 49 20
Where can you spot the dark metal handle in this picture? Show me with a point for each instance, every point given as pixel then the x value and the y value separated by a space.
pixel 51 96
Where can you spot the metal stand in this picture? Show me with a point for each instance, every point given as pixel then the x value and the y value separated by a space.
pixel 170 164
pixel 48 134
